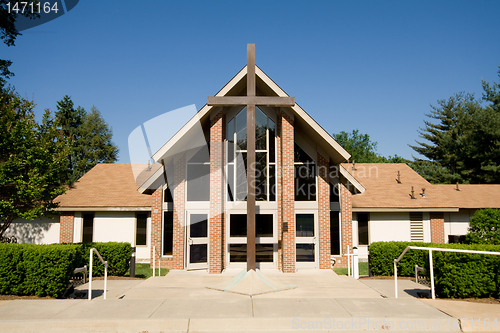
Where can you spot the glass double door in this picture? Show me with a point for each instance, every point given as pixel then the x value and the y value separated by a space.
pixel 266 241
pixel 197 240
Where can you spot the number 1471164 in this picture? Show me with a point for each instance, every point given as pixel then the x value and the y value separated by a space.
pixel 31 7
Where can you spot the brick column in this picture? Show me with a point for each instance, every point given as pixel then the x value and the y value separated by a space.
pixel 287 200
pixel 156 225
pixel 67 223
pixel 345 224
pixel 215 234
pixel 179 212
pixel 437 227
pixel 324 212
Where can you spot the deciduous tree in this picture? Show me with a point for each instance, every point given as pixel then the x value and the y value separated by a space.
pixel 32 161
pixel 484 227
pixel 362 149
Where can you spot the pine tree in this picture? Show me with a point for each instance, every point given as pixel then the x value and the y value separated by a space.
pixel 463 140
pixel 95 143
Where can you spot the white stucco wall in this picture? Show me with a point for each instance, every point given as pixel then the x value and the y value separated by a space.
pixel 457 223
pixel 42 230
pixel 389 227
pixel 115 227
pixel 77 228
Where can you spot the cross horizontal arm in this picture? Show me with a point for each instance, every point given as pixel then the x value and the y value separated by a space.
pixel 250 100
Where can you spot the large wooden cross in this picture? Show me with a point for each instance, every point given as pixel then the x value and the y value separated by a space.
pixel 250 101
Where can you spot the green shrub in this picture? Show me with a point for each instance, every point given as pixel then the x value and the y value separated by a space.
pixel 41 270
pixel 116 254
pixel 462 275
pixel 382 255
pixel 484 227
pixel 11 271
pixel 456 275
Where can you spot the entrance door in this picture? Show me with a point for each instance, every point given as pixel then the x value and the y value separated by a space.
pixel 266 241
pixel 197 240
pixel 306 245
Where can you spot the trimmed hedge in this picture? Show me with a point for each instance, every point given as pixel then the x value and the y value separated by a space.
pixel 45 270
pixel 456 275
pixel 116 254
pixel 41 270
pixel 382 255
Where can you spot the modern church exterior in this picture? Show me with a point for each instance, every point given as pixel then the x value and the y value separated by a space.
pixel 311 206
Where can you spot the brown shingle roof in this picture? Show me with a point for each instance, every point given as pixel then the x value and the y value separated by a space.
pixel 384 191
pixel 106 185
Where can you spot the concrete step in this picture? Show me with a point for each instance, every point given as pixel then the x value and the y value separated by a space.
pixel 207 325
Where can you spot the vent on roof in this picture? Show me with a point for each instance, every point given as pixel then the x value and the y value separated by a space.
pixel 412 194
pixel 457 187
pixel 399 177
pixel 416 227
pixel 423 193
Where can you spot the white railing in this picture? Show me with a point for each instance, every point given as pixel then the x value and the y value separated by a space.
pixel 84 270
pixel 159 262
pixel 418 269
pixel 90 272
pixel 430 249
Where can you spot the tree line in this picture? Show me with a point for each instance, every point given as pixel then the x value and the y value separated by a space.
pixel 461 140
pixel 39 161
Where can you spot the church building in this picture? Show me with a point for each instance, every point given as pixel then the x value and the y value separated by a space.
pixel 262 162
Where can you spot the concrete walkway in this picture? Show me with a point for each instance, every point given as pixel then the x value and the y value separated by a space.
pixel 180 302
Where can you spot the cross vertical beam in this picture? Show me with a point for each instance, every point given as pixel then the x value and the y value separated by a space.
pixel 250 159
pixel 250 101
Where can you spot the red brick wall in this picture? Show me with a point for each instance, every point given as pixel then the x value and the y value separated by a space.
pixel 279 191
pixel 324 212
pixel 216 240
pixel 157 230
pixel 437 227
pixel 346 224
pixel 179 211
pixel 67 222
pixel 287 200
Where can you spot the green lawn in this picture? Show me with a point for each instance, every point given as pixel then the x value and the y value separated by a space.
pixel 363 269
pixel 143 271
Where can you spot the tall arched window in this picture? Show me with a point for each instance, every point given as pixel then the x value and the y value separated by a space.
pixel 265 157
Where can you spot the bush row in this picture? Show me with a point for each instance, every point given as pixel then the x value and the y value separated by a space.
pixel 40 270
pixel 45 270
pixel 116 254
pixel 456 275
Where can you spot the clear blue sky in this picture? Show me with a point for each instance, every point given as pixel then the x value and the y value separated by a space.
pixel 375 66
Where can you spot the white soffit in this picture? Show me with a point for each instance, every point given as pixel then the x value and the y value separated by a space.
pixel 104 209
pixel 151 179
pixel 351 179
pixel 403 210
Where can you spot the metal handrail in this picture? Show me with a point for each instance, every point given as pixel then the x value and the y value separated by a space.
pixel 418 269
pixel 82 269
pixel 105 272
pixel 159 262
pixel 430 249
